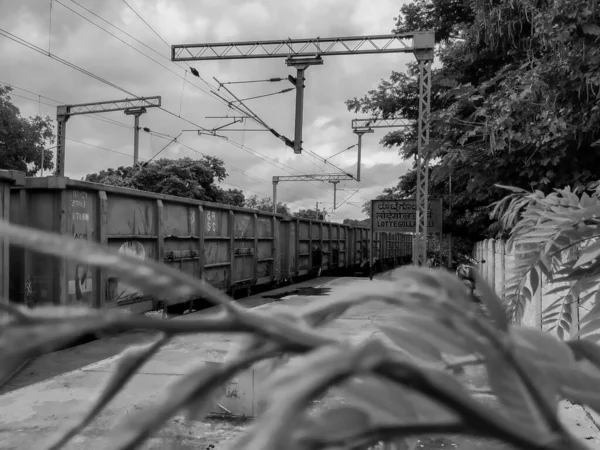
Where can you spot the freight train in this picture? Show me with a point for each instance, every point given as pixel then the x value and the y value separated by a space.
pixel 235 249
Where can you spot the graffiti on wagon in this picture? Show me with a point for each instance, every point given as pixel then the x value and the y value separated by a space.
pixel 80 286
pixel 120 291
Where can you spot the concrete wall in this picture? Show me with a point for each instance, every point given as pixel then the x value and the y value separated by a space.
pixel 498 267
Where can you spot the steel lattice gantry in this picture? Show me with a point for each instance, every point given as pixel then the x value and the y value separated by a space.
pixel 134 107
pixel 301 53
pixel 333 178
pixel 362 126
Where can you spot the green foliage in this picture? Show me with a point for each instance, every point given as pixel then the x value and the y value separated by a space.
pixel 185 177
pixel 309 214
pixel 364 222
pixel 395 390
pixel 555 235
pixel 266 204
pixel 446 17
pixel 515 101
pixel 22 140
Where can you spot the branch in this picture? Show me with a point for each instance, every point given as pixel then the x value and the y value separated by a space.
pixel 472 412
pixel 505 347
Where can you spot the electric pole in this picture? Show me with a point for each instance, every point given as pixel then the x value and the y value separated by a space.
pixel 64 112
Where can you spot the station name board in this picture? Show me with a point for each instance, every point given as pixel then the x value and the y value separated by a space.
pixel 400 216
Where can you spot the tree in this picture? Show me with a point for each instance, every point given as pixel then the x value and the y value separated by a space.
pixel 309 214
pixel 266 204
pixel 185 177
pixel 446 17
pixel 394 390
pixel 355 222
pixel 23 140
pixel 514 102
pixel 233 197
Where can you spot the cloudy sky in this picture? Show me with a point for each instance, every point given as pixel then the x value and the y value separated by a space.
pixel 78 31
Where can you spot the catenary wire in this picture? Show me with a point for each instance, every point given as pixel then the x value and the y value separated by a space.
pixel 251 113
pixel 74 66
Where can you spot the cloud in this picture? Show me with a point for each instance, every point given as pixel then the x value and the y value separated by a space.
pixel 252 157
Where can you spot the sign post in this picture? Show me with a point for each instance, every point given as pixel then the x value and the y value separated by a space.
pixel 400 216
pixel 372 247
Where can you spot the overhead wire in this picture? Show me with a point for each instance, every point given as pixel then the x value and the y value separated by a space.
pixel 100 147
pixel 31 46
pixel 237 169
pixel 155 133
pixel 142 159
pixel 249 111
pixel 151 132
pixel 349 197
pixel 260 121
pixel 283 91
pixel 140 42
pixel 34 47
pixel 268 80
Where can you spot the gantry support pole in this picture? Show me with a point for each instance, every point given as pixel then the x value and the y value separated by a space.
pixel 335 183
pixel 275 181
pixel 63 112
pixel 359 132
pixel 61 135
pixel 300 64
pixel 425 58
pixel 136 113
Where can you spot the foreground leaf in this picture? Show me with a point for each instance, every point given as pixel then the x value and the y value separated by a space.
pixel 192 391
pixel 519 404
pixel 389 403
pixel 128 364
pixel 440 333
pixel 573 383
pixel 540 345
pixel 290 391
pixel 412 344
pixel 583 349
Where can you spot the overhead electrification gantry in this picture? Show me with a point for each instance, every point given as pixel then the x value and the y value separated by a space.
pixel 333 178
pixel 135 107
pixel 362 126
pixel 302 53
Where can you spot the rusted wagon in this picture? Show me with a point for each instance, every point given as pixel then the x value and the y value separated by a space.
pixel 232 248
pixel 8 179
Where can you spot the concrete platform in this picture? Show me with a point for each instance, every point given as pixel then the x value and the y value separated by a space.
pixel 29 416
pixel 63 361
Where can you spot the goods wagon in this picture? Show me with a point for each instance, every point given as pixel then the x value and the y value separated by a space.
pixel 232 248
